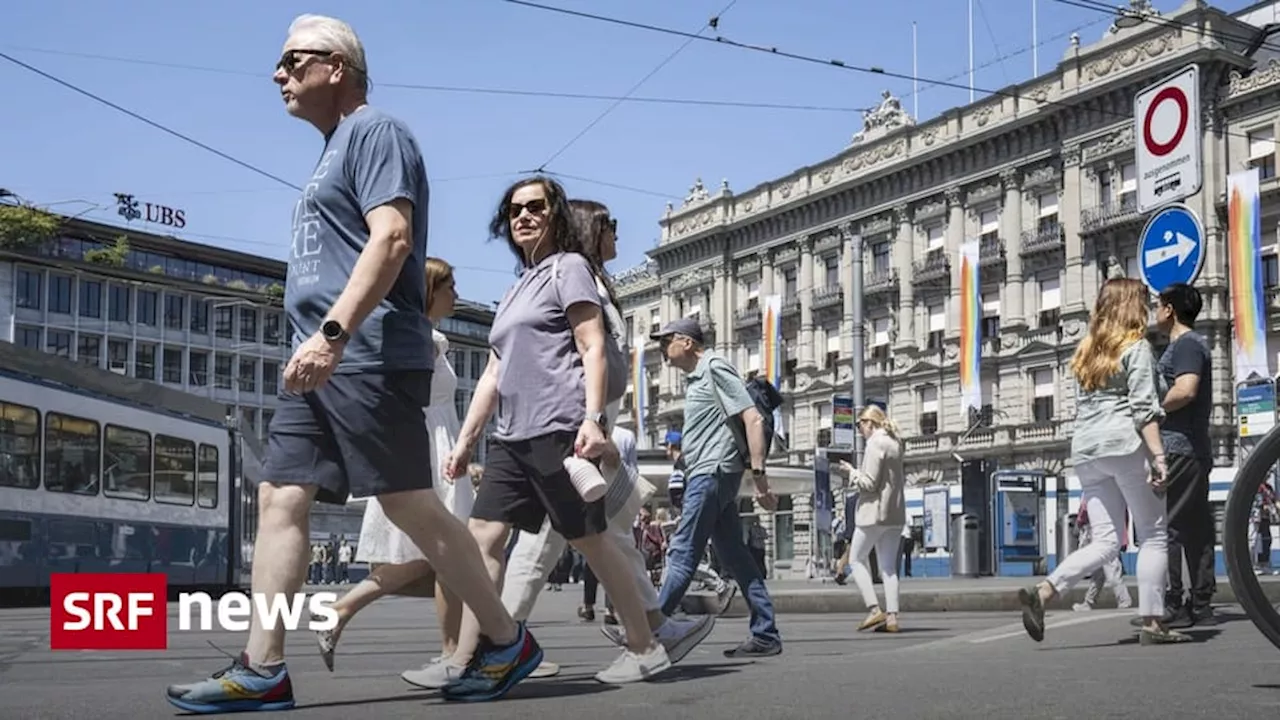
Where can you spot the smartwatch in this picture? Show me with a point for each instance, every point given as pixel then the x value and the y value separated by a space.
pixel 333 332
pixel 599 419
pixel 757 473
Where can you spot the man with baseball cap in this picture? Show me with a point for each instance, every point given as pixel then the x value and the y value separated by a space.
pixel 723 434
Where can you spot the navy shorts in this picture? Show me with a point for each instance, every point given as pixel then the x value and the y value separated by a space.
pixel 525 482
pixel 359 435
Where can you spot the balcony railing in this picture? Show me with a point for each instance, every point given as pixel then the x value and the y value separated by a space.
pixel 990 251
pixel 876 282
pixel 1046 238
pixel 828 296
pixel 935 267
pixel 1111 214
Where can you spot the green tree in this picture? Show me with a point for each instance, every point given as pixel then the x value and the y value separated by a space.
pixel 113 256
pixel 22 227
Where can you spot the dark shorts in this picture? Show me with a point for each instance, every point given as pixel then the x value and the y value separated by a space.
pixel 525 482
pixel 360 434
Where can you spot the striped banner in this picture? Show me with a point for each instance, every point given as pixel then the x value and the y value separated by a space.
pixel 771 339
pixel 970 329
pixel 639 391
pixel 1244 248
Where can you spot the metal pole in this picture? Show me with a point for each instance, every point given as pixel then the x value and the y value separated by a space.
pixel 859 342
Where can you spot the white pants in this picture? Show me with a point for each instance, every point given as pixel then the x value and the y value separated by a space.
pixel 886 539
pixel 535 555
pixel 1107 485
pixel 1111 575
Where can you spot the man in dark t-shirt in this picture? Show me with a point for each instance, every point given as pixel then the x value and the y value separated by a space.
pixel 1186 386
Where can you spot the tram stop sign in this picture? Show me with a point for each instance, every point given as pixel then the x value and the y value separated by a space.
pixel 1171 248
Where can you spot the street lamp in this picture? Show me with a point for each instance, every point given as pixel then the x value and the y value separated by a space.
pixel 1133 16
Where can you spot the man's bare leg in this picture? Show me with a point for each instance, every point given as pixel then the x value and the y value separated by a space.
pixel 281 553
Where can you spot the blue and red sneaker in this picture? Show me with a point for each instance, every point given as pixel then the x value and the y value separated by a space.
pixel 494 671
pixel 237 688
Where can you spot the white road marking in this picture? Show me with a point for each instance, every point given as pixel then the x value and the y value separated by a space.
pixel 1092 616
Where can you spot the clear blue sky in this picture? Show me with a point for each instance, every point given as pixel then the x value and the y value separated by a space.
pixel 58 146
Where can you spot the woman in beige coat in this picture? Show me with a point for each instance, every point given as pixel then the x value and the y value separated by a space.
pixel 881 513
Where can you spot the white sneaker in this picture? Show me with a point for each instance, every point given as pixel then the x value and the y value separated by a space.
pixel 434 675
pixel 545 669
pixel 630 667
pixel 1082 607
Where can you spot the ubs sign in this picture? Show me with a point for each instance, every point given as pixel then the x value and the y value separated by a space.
pixel 127 207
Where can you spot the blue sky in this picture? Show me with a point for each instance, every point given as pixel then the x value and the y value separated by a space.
pixel 204 70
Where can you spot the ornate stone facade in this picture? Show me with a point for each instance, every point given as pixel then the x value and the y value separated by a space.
pixel 1042 175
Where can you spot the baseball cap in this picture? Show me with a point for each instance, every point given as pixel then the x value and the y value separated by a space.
pixel 688 327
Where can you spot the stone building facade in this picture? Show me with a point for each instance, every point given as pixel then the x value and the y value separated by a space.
pixel 1042 175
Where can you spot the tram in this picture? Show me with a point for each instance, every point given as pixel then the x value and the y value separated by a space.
pixel 103 473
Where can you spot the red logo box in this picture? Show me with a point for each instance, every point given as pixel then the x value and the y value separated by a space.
pixel 108 611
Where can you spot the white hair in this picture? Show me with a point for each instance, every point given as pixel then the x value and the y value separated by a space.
pixel 336 36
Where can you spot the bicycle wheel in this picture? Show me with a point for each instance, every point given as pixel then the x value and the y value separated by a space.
pixel 1236 551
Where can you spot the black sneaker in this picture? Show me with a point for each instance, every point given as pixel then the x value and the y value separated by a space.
pixel 754 647
pixel 1032 612
pixel 1181 619
pixel 1204 618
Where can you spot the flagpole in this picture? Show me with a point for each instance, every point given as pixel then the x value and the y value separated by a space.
pixel 1035 44
pixel 915 76
pixel 970 51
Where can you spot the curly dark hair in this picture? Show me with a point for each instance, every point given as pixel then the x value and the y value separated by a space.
pixel 592 219
pixel 564 232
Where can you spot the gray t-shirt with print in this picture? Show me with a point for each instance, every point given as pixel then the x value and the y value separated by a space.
pixel 369 160
pixel 541 382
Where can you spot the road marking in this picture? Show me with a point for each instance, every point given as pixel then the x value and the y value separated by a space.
pixel 1093 616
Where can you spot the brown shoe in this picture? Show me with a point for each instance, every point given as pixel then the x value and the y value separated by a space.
pixel 873 621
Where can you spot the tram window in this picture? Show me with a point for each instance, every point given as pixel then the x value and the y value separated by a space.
pixel 175 471
pixel 127 454
pixel 72 454
pixel 19 446
pixel 208 477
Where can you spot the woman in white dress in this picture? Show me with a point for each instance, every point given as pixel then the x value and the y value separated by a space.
pixel 395 560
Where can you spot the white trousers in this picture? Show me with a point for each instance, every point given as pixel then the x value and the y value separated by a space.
pixel 1112 575
pixel 1107 485
pixel 535 555
pixel 886 539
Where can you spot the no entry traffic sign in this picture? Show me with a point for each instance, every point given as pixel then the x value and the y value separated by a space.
pixel 1166 120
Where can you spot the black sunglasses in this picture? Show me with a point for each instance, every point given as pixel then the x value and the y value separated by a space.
pixel 613 225
pixel 535 207
pixel 289 61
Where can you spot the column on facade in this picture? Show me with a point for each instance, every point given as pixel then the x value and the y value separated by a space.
pixel 668 314
pixel 806 301
pixel 722 306
pixel 1073 290
pixel 1011 229
pixel 846 274
pixel 767 277
pixel 905 251
pixel 955 238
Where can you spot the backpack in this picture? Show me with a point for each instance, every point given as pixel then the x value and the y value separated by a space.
pixel 617 362
pixel 766 399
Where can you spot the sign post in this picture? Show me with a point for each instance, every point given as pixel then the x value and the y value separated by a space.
pixel 1256 406
pixel 1166 120
pixel 1171 248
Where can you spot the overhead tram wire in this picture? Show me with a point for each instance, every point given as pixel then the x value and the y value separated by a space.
pixel 835 63
pixel 713 23
pixel 148 121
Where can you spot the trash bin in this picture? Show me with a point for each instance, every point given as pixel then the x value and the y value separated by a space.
pixel 964 549
pixel 1068 537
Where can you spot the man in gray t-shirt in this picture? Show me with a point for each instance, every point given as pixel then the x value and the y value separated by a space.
pixel 350 419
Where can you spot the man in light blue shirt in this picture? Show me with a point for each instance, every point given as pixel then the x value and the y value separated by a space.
pixel 715 459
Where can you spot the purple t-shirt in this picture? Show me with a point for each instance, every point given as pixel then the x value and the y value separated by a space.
pixel 541 383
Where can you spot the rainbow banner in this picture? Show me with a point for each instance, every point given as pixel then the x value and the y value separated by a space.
pixel 771 339
pixel 1244 255
pixel 970 329
pixel 639 389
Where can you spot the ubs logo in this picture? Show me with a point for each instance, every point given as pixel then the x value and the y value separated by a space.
pixel 127 207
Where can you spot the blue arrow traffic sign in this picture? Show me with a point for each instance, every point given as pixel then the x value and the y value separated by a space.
pixel 1171 248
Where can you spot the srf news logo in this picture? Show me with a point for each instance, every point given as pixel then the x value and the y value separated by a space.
pixel 130 611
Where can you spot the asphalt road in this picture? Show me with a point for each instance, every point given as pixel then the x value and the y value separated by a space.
pixel 943 665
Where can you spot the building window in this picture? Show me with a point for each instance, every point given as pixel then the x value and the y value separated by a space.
pixel 935 237
pixel 1050 299
pixel 937 325
pixel 271 379
pixel 248 378
pixel 789 284
pixel 146 314
pixel 833 271
pixel 144 363
pixel 460 401
pixel 29 288
pixel 222 321
pixel 60 294
pixel 478 361
pixel 118 303
pixel 199 371
pixel 58 342
pixel 118 356
pixel 89 350
pixel 27 337
pixel 174 305
pixel 1128 186
pixel 248 325
pixel 90 299
pixel 222 372
pixel 271 328
pixel 989 229
pixel 1048 218
pixel 987 413
pixel 880 257
pixel 1106 193
pixel 173 365
pixel 199 316
pixel 929 410
pixel 991 314
pixel 1262 152
pixel 1042 401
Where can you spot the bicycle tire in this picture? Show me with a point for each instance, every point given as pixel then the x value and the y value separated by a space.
pixel 1236 551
